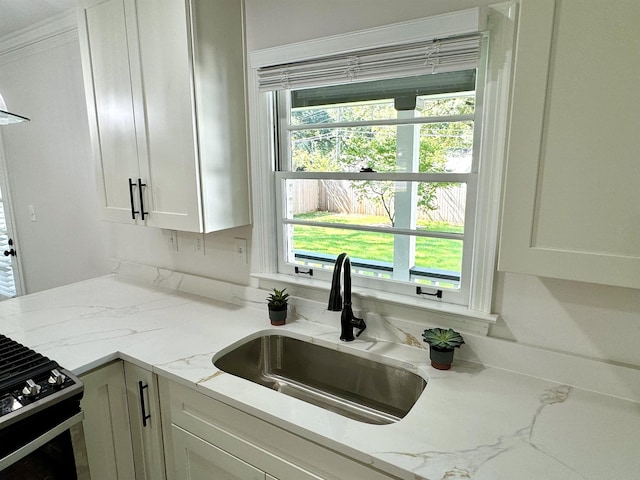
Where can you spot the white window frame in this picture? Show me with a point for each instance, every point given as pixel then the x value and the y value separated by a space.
pixel 459 296
pixel 499 22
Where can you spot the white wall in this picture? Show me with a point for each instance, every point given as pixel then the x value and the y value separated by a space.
pixel 278 22
pixel 49 166
pixel 581 318
pixel 150 246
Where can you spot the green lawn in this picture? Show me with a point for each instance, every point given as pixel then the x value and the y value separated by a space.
pixel 436 253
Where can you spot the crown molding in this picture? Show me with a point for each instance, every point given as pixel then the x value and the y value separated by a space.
pixel 52 32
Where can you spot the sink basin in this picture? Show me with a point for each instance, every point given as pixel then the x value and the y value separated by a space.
pixel 355 387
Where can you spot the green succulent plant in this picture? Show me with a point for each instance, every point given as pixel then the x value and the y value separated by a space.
pixel 442 339
pixel 278 299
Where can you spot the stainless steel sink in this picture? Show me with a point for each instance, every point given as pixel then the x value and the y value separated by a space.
pixel 353 386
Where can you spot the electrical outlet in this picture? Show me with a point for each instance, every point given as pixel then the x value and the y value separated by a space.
pixel 198 244
pixel 173 240
pixel 240 245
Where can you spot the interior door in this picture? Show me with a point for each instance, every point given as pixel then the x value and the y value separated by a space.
pixel 11 282
pixel 8 248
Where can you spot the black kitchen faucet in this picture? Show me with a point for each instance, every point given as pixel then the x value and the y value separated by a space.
pixel 347 321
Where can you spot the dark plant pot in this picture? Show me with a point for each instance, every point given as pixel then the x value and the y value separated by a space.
pixel 440 358
pixel 278 316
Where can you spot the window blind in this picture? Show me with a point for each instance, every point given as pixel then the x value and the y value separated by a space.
pixel 434 56
pixel 433 84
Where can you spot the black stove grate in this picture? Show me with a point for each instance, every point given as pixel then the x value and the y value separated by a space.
pixel 18 363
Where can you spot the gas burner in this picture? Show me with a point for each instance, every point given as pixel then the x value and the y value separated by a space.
pixel 30 382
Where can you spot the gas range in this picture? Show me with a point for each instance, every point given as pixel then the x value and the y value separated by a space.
pixel 39 409
pixel 31 382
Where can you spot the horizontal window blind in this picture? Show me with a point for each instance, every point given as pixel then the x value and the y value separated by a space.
pixel 434 56
pixel 433 84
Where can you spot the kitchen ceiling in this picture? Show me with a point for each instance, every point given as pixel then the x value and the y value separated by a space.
pixel 18 14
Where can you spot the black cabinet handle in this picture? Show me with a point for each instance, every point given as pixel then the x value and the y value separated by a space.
pixel 142 212
pixel 143 409
pixel 133 210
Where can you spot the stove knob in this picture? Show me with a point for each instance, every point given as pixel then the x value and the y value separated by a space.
pixel 31 389
pixel 56 378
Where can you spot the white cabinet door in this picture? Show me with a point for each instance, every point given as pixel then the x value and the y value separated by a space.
pixel 263 446
pixel 166 75
pixel 146 426
pixel 199 460
pixel 193 89
pixel 571 196
pixel 107 80
pixel 106 424
pixel 219 79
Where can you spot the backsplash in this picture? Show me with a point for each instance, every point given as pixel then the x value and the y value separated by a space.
pixel 603 377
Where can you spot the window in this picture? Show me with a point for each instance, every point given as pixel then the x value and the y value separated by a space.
pixel 385 152
pixel 381 170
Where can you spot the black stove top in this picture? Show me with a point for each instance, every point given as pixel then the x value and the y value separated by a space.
pixel 30 382
pixel 18 363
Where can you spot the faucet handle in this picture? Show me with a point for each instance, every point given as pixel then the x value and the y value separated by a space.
pixel 348 322
pixel 360 325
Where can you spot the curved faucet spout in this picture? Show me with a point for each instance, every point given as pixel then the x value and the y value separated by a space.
pixel 347 320
pixel 335 297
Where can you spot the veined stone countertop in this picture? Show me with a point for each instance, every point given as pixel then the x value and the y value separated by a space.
pixel 472 422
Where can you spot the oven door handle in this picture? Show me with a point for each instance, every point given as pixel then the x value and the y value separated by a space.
pixel 46 437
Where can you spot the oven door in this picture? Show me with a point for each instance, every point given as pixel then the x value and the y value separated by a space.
pixel 47 455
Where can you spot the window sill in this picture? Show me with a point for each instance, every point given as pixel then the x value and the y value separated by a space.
pixel 473 320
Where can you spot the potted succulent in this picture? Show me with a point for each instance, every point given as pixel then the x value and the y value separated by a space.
pixel 441 346
pixel 278 302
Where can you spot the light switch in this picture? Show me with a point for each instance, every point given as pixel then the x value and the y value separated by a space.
pixel 198 244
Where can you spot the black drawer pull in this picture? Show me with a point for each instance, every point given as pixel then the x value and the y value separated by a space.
pixel 142 212
pixel 133 209
pixel 143 409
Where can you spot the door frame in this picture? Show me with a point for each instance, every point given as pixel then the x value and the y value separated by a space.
pixel 6 199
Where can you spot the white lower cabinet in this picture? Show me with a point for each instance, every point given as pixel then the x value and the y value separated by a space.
pixel 207 439
pixel 138 426
pixel 146 426
pixel 122 426
pixel 196 459
pixel 106 424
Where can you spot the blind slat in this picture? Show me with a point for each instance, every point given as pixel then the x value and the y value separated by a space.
pixel 436 56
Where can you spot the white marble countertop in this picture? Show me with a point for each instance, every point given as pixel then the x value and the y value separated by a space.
pixel 472 422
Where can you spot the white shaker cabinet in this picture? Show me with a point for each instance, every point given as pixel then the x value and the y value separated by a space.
pixel 205 438
pixel 122 424
pixel 146 426
pixel 106 424
pixel 571 195
pixel 197 459
pixel 165 88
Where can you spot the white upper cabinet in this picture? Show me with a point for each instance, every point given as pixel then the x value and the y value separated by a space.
pixel 165 87
pixel 571 205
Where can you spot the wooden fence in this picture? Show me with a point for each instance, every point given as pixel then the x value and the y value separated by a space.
pixel 338 197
